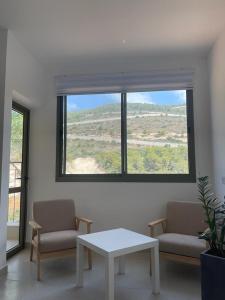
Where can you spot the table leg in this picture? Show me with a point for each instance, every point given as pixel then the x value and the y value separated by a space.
pixel 80 264
pixel 121 264
pixel 109 275
pixel 155 269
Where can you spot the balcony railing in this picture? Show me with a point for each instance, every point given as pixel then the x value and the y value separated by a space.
pixel 15 174
pixel 14 192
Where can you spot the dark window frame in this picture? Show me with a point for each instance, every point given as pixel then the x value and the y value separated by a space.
pixel 24 178
pixel 123 177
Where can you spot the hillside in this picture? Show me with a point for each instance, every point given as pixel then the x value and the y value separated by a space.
pixel 132 108
pixel 156 139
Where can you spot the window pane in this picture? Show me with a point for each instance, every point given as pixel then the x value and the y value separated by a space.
pixel 13 222
pixel 14 208
pixel 16 149
pixel 93 139
pixel 157 133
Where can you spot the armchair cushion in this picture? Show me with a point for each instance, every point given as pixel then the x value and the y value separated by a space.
pixel 185 218
pixel 181 244
pixel 58 240
pixel 54 215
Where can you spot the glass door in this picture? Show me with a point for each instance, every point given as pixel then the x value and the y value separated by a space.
pixel 18 176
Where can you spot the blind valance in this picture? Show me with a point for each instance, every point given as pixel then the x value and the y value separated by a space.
pixel 124 82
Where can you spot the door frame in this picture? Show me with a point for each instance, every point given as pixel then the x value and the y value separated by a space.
pixel 24 178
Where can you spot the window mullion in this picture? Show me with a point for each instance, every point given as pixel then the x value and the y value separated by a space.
pixel 124 133
pixel 64 133
pixel 190 131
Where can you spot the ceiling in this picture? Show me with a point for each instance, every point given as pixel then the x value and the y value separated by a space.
pixel 58 31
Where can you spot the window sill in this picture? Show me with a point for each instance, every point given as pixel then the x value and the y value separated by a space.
pixel 185 178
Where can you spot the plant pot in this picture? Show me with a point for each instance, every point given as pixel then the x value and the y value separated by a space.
pixel 212 276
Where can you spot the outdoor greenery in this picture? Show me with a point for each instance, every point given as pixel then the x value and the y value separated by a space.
pixel 115 108
pixel 154 159
pixel 156 139
pixel 16 136
pixel 215 217
pixel 158 160
pixel 14 208
pixel 15 165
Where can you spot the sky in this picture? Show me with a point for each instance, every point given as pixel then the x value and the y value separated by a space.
pixel 81 102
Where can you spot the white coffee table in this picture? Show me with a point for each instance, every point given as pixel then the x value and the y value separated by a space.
pixel 117 243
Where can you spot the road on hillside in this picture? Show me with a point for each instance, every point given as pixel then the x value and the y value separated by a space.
pixel 118 141
pixel 153 114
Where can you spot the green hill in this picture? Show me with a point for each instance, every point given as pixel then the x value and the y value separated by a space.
pixel 111 109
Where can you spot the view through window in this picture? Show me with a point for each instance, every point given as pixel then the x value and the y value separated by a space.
pixel 15 166
pixel 93 134
pixel 157 133
pixel 141 133
pixel 15 174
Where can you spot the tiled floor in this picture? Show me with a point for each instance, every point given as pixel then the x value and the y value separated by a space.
pixel 178 281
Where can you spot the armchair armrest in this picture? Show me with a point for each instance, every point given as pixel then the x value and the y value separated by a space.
pixel 84 220
pixel 153 224
pixel 35 228
pixel 35 225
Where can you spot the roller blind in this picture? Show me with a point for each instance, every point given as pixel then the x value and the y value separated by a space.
pixel 124 82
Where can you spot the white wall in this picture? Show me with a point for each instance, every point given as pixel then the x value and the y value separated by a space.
pixel 217 84
pixel 129 205
pixel 25 82
pixel 25 77
pixel 3 44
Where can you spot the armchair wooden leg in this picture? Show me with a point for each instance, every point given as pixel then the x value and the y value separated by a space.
pixel 89 259
pixel 38 266
pixel 31 252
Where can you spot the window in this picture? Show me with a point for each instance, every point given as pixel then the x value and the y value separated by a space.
pixel 93 134
pixel 134 136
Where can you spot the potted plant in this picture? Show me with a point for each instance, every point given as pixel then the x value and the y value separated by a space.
pixel 213 259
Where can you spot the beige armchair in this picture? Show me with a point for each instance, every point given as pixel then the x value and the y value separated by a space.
pixel 179 232
pixel 55 227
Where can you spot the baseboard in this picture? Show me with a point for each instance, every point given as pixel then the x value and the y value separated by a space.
pixel 4 270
